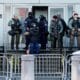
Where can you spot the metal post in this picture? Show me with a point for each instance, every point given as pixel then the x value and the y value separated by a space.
pixel 65 66
pixel 11 67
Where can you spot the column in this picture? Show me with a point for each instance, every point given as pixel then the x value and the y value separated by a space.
pixel 75 66
pixel 27 67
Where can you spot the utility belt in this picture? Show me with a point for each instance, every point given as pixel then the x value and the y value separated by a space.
pixel 75 32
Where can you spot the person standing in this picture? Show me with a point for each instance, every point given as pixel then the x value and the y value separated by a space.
pixel 27 24
pixel 15 31
pixel 34 38
pixel 74 25
pixel 56 29
pixel 43 30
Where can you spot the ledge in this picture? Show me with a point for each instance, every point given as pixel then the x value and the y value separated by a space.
pixel 27 57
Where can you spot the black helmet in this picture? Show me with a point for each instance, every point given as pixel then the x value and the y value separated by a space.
pixel 30 14
pixel 42 17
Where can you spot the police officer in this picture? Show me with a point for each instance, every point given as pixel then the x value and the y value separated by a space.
pixel 27 23
pixel 65 27
pixel 43 29
pixel 15 31
pixel 74 25
pixel 56 29
pixel 34 38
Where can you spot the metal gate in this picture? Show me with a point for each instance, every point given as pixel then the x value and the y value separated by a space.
pixel 67 67
pixel 48 67
pixel 10 67
pixel 4 67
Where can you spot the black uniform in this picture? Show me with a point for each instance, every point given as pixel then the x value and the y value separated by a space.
pixel 28 21
pixel 34 38
pixel 43 29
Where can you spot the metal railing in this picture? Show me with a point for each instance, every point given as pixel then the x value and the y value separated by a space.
pixel 4 68
pixel 10 66
pixel 46 66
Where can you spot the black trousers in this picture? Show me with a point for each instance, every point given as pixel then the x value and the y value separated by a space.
pixel 57 42
pixel 43 45
pixel 72 37
pixel 17 38
pixel 27 41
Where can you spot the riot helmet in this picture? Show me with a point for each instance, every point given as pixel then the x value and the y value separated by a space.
pixel 42 17
pixel 30 15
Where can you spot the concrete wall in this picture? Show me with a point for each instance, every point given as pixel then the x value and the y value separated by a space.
pixel 60 1
pixel 1 1
pixel 7 16
pixel 21 1
pixel 1 25
pixel 40 1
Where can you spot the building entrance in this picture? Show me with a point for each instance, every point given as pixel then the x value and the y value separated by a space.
pixel 40 10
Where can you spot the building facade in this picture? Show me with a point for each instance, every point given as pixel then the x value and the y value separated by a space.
pixel 46 7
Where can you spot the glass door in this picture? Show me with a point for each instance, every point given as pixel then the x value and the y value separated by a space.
pixel 54 11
